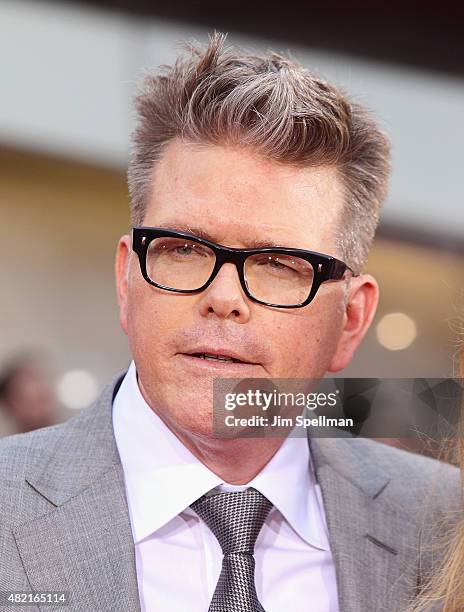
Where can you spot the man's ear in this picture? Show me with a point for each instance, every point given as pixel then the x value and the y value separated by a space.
pixel 361 304
pixel 122 277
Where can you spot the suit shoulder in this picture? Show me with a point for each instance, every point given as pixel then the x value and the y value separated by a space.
pixel 19 450
pixel 400 462
pixel 414 478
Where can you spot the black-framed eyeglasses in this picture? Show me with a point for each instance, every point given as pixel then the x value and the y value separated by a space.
pixel 274 276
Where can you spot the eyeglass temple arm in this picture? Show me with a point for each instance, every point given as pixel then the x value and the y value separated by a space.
pixel 339 269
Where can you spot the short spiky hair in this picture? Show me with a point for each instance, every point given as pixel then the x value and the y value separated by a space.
pixel 274 106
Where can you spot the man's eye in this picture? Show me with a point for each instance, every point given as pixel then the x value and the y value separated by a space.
pixel 186 249
pixel 275 264
pixel 183 250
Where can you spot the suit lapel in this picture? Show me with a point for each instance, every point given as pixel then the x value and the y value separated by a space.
pixel 84 544
pixel 85 547
pixel 374 545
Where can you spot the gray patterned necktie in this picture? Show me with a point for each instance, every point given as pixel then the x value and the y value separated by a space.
pixel 235 519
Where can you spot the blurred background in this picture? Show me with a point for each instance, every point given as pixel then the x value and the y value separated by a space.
pixel 68 73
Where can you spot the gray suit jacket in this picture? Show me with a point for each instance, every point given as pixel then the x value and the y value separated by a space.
pixel 64 522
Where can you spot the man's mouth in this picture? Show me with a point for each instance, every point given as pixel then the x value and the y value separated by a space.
pixel 216 357
pixel 220 354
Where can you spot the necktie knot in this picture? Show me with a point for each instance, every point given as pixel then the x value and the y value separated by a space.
pixel 235 518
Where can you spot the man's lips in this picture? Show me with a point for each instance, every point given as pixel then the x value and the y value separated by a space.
pixel 218 355
pixel 218 367
pixel 212 357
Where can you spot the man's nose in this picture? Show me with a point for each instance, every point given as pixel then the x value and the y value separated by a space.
pixel 225 296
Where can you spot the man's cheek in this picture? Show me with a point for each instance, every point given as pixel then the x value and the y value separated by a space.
pixel 308 348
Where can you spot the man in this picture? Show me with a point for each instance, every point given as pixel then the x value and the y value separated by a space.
pixel 135 504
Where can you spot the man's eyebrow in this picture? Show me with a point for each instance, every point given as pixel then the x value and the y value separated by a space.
pixel 202 233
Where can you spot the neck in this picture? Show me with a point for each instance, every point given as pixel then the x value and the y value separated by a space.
pixel 235 461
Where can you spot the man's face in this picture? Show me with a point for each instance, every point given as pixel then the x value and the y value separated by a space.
pixel 237 198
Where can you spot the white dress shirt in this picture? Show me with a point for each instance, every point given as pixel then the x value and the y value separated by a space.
pixel 178 559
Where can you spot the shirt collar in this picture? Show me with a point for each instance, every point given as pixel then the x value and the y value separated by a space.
pixel 163 477
pixel 288 481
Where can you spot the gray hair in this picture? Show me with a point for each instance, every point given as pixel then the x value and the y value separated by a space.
pixel 270 103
